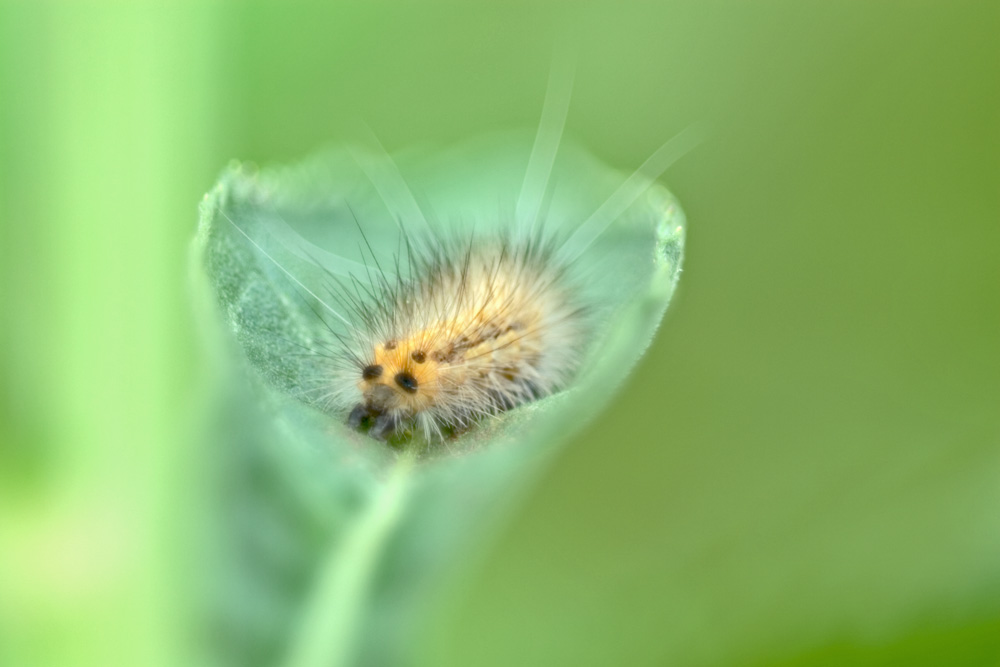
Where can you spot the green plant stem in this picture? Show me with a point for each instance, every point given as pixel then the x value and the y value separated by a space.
pixel 332 616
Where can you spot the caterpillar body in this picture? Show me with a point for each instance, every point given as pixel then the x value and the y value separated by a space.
pixel 470 332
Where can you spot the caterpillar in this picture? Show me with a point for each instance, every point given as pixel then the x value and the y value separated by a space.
pixel 457 326
pixel 472 332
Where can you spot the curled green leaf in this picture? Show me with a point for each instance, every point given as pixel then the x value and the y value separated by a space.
pixel 268 244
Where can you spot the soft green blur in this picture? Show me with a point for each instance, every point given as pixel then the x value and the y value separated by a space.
pixel 804 470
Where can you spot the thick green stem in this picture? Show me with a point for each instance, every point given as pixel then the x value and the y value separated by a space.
pixel 332 617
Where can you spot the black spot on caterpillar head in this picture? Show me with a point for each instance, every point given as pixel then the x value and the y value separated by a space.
pixel 390 345
pixel 418 357
pixel 406 382
pixel 371 372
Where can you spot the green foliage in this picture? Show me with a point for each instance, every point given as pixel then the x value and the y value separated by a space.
pixel 803 470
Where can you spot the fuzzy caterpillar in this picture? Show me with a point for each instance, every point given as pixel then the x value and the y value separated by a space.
pixel 472 332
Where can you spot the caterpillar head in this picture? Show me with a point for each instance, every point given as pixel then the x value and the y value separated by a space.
pixel 399 385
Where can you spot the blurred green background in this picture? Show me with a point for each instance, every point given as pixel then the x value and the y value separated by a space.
pixel 804 470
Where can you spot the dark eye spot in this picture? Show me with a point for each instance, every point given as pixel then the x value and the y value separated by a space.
pixel 418 357
pixel 390 345
pixel 371 372
pixel 406 382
